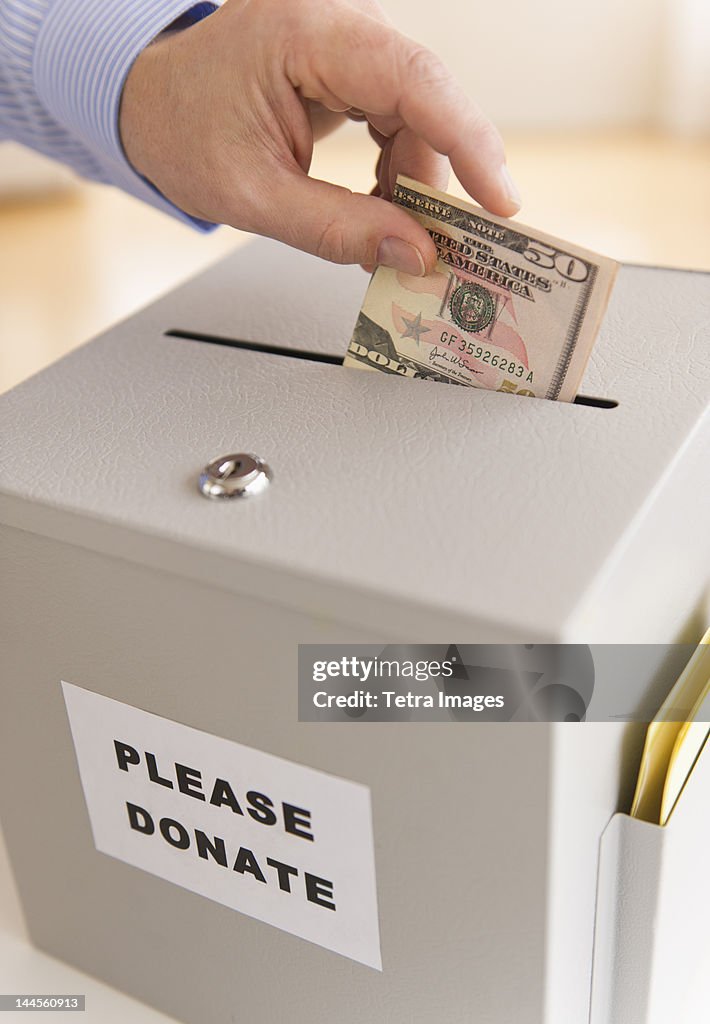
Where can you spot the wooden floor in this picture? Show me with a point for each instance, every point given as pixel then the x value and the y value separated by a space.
pixel 71 266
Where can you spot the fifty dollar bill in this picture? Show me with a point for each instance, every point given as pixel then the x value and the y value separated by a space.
pixel 507 308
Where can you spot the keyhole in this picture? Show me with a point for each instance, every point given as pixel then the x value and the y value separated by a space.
pixel 230 468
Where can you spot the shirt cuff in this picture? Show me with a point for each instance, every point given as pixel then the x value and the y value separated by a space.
pixel 83 54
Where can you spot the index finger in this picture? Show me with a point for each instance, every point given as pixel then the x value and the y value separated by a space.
pixel 373 67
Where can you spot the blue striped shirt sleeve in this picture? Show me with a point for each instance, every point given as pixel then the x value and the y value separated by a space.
pixel 63 64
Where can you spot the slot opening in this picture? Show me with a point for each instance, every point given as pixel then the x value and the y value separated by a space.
pixel 256 346
pixel 322 357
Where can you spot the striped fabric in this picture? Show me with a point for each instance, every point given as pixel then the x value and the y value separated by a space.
pixel 62 68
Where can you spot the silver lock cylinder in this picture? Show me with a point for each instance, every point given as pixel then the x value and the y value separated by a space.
pixel 235 476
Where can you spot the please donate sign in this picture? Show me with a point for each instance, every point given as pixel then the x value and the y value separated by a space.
pixel 278 841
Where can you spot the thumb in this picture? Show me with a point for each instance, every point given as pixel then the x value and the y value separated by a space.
pixel 345 227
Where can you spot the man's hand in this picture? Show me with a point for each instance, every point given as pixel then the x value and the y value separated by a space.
pixel 221 117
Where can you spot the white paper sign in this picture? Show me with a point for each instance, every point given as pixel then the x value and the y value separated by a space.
pixel 283 843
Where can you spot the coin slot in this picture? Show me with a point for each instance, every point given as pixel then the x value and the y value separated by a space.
pixel 256 346
pixel 323 357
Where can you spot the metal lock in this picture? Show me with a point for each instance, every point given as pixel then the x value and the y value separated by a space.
pixel 235 476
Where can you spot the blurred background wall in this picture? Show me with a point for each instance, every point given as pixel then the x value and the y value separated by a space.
pixel 573 64
pixel 556 64
pixel 685 103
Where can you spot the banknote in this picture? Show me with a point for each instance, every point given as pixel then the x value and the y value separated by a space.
pixel 507 308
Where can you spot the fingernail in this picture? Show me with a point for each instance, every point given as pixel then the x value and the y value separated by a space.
pixel 511 189
pixel 400 255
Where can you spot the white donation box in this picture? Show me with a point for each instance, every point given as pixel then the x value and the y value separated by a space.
pixel 173 827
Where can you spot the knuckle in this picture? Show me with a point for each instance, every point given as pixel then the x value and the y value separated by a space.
pixel 424 69
pixel 333 244
pixel 486 133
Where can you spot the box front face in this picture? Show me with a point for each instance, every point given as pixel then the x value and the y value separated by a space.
pixel 459 815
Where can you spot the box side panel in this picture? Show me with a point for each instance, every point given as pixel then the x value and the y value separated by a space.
pixel 459 811
pixel 682 941
pixel 589 766
pixel 625 961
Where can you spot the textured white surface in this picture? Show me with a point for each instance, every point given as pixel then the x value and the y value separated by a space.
pixel 651 943
pixel 425 510
pixel 408 502
pixel 26 970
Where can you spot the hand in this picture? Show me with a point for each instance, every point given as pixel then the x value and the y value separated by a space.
pixel 221 117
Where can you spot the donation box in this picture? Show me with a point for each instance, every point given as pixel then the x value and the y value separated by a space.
pixel 175 829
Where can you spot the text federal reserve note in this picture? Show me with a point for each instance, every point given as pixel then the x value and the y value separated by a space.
pixel 507 308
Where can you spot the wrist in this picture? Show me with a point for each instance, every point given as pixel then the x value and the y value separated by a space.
pixel 161 114
pixel 137 115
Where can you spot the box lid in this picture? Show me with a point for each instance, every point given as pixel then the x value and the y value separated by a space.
pixel 409 508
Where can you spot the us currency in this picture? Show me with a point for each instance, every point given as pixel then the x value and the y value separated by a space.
pixel 507 307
